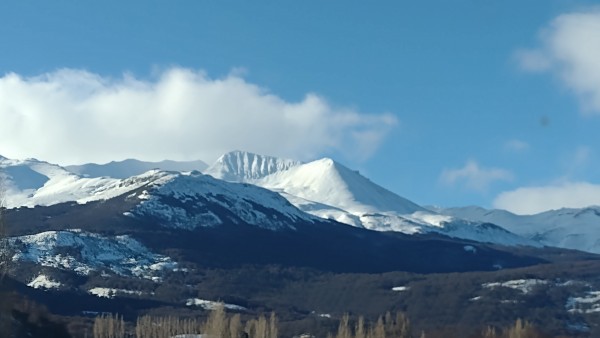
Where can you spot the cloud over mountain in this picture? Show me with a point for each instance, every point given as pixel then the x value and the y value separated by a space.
pixel 72 116
pixel 535 199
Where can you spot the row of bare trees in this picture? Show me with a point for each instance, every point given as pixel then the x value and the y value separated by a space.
pixel 399 326
pixel 217 325
pixel 520 329
pixel 109 326
pixel 388 326
pixel 220 325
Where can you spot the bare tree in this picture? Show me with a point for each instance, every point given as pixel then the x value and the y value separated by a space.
pixel 400 327
pixel 360 332
pixel 109 326
pixel 235 326
pixel 379 330
pixel 273 326
pixel 262 328
pixel 489 332
pixel 216 324
pixel 344 328
pixel 523 329
pixel 250 327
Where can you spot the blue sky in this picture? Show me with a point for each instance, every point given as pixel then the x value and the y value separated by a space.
pixel 492 103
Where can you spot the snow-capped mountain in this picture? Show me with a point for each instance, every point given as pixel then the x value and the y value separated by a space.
pixel 179 199
pixel 131 227
pixel 191 200
pixel 577 229
pixel 32 182
pixel 218 225
pixel 321 184
pixel 329 190
pixel 322 188
pixel 132 167
pixel 328 182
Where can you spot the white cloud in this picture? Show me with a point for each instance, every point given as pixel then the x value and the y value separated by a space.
pixel 474 176
pixel 570 48
pixel 73 116
pixel 517 145
pixel 532 200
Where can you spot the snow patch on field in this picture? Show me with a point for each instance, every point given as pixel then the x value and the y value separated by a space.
pixel 112 293
pixel 44 282
pixel 210 305
pixel 400 288
pixel 579 302
pixel 589 303
pixel 523 285
pixel 579 327
pixel 470 248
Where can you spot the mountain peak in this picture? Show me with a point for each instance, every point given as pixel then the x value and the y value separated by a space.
pixel 327 162
pixel 241 166
pixel 329 182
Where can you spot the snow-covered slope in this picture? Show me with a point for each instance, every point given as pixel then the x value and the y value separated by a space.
pixel 566 228
pixel 323 188
pixel 240 166
pixel 132 167
pixel 327 189
pixel 323 181
pixel 83 252
pixel 189 200
pixel 177 199
pixel 328 182
pixel 43 282
pixel 31 182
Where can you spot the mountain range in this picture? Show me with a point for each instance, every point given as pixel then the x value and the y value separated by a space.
pixel 577 229
pixel 323 188
pixel 259 232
